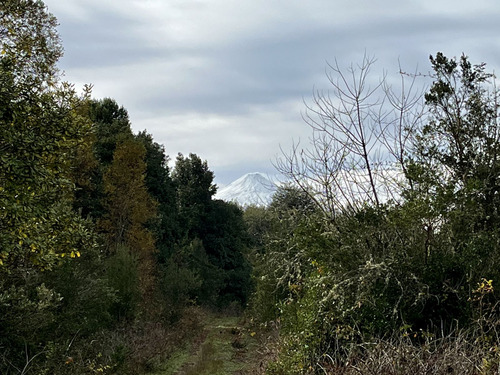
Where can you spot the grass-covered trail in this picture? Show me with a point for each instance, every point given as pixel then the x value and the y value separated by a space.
pixel 225 345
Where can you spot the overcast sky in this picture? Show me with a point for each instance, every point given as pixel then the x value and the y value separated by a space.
pixel 226 79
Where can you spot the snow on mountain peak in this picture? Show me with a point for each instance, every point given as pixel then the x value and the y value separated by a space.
pixel 251 189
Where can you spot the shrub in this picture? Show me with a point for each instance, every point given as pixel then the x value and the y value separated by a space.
pixel 123 277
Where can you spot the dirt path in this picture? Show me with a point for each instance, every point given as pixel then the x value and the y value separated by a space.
pixel 224 346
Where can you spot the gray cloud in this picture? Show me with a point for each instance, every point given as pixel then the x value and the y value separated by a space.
pixel 226 79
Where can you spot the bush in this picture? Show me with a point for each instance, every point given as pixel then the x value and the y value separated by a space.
pixel 123 277
pixel 180 285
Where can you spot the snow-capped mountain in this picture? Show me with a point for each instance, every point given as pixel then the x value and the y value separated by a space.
pixel 250 189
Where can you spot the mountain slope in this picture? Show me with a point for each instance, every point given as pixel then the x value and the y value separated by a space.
pixel 250 189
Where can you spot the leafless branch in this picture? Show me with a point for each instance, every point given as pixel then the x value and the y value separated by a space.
pixel 358 129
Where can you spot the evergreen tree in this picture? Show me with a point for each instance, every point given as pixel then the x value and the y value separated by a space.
pixel 111 125
pixel 161 187
pixel 226 243
pixel 194 184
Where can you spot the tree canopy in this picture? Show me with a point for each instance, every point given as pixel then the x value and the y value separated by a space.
pixel 96 233
pixel 40 125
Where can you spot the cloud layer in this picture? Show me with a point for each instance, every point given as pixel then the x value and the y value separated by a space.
pixel 227 79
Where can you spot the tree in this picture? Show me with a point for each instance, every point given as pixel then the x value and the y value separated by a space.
pixel 128 210
pixel 258 221
pixel 213 239
pixel 289 198
pixel 42 122
pixel 161 187
pixel 128 204
pixel 40 125
pixel 29 44
pixel 459 147
pixel 226 243
pixel 358 131
pixel 111 125
pixel 195 189
pixel 455 169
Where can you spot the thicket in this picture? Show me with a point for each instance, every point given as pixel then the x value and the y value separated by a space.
pixel 102 246
pixel 382 256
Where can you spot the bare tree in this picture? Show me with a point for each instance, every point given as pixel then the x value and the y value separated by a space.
pixel 359 129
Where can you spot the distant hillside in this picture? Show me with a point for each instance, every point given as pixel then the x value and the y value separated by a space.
pixel 250 189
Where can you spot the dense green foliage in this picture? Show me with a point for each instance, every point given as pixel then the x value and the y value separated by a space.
pixel 214 237
pixel 422 266
pixel 100 246
pixel 48 275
